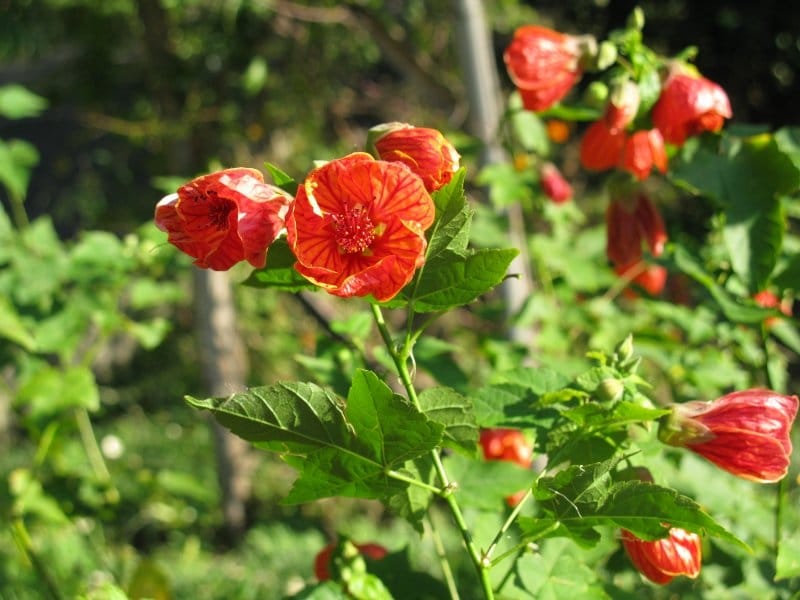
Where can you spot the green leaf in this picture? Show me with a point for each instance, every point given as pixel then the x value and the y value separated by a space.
pixel 451 280
pixel 338 448
pixel 528 127
pixel 17 102
pixel 453 411
pixel 412 503
pixel 13 328
pixel 450 199
pixel 556 574
pixel 486 484
pixel 280 178
pixel 279 271
pixel 747 176
pixel 506 184
pixel 50 391
pixel 788 560
pixel 733 310
pixel 17 159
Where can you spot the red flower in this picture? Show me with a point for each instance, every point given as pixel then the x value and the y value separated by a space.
pixel 644 150
pixel 322 561
pixel 357 226
pixel 554 185
pixel 543 64
pixel 767 299
pixel 509 445
pixel 602 146
pixel 745 433
pixel 629 222
pixel 651 278
pixel 689 105
pixel 223 218
pixel 662 560
pixel 425 151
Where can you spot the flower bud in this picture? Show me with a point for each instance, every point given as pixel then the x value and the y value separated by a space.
pixel 746 433
pixel 554 185
pixel 623 104
pixel 425 151
pixel 661 560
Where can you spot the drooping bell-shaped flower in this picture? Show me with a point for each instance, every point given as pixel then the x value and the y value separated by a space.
pixel 425 151
pixel 689 105
pixel 554 185
pixel 650 277
pixel 602 146
pixel 223 218
pixel 510 445
pixel 357 226
pixel 643 151
pixel 543 64
pixel 662 560
pixel 746 433
pixel 630 222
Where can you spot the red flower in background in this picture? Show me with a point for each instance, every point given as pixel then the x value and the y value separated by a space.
pixel 689 105
pixel 357 226
pixel 629 223
pixel 644 150
pixel 651 278
pixel 322 561
pixel 767 299
pixel 602 146
pixel 543 64
pixel 745 433
pixel 509 445
pixel 425 151
pixel 661 560
pixel 554 185
pixel 223 218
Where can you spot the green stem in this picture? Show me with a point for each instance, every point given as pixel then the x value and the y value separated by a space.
pixel 23 540
pixel 93 453
pixel 505 527
pixel 400 357
pixel 18 211
pixel 411 481
pixel 447 572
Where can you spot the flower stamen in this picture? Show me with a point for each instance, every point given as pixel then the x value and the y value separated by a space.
pixel 353 229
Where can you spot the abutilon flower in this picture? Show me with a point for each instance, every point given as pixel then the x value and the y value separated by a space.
pixel 223 218
pixel 543 64
pixel 601 146
pixel 629 222
pixel 746 433
pixel 425 151
pixel 643 150
pixel 649 277
pixel 767 299
pixel 689 105
pixel 357 226
pixel 509 445
pixel 322 561
pixel 554 185
pixel 664 559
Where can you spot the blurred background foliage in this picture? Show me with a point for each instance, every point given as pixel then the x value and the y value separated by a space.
pixel 108 479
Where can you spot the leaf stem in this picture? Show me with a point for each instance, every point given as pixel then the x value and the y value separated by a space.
pixel 487 555
pixel 400 357
pixel 411 481
pixel 447 572
pixel 23 540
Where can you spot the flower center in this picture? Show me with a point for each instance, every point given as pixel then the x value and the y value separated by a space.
pixel 353 230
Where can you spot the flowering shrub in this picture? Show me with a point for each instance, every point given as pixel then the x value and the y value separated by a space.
pixel 394 229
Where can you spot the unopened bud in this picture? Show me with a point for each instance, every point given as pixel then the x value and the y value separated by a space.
pixel 610 389
pixel 636 19
pixel 606 55
pixel 624 349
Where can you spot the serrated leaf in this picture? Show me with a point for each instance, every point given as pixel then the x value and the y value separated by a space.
pixel 486 484
pixel 555 574
pixel 412 503
pixel 747 177
pixel 13 328
pixel 338 448
pixel 733 310
pixel 279 271
pixel 453 411
pixel 449 199
pixel 451 280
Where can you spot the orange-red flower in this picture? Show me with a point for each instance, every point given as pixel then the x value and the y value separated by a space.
pixel 602 146
pixel 767 299
pixel 746 433
pixel 689 105
pixel 425 151
pixel 543 64
pixel 651 278
pixel 644 150
pixel 661 560
pixel 322 561
pixel 223 218
pixel 509 445
pixel 629 222
pixel 357 226
pixel 554 185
